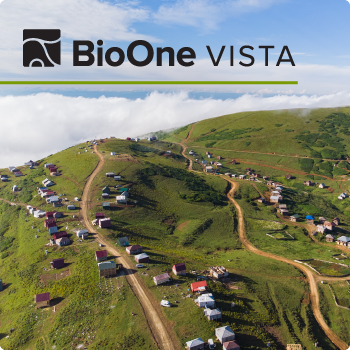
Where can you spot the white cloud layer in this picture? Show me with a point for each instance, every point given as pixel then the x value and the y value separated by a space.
pixel 35 126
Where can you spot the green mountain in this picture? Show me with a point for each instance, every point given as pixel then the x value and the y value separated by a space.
pixel 182 216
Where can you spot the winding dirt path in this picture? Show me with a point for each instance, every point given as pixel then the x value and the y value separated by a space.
pixel 315 303
pixel 311 277
pixel 163 335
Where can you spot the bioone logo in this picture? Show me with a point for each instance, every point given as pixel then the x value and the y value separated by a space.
pixel 41 47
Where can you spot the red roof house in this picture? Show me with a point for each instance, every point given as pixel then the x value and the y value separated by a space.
pixel 57 263
pixel 134 249
pixel 58 235
pixel 198 286
pixel 179 269
pixel 101 255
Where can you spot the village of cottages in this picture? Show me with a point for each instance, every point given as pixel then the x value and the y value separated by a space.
pixel 109 268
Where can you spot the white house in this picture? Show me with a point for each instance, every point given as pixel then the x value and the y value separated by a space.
pixel 195 344
pixel 208 169
pixel 224 334
pixel 121 199
pixel 206 300
pixel 52 199
pixel 81 233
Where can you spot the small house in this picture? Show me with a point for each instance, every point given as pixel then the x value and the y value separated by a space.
pixel 60 234
pixel 321 229
pixel 179 269
pixel 218 165
pixel 321 185
pixel 107 268
pixel 106 190
pixel 117 177
pixel 213 315
pixel 161 279
pixel 58 215
pixel 204 162
pixel 265 178
pixel 104 223
pixel 141 258
pixel 42 300
pixel 134 249
pixel 234 175
pixel 52 230
pixel 112 153
pixel 101 255
pixel 224 334
pixel 121 199
pixel 110 175
pixel 322 220
pixel 329 238
pixel 274 199
pixel 284 212
pixel 336 221
pixel 105 195
pixel 52 199
pixel 208 169
pixel 200 286
pixel 123 241
pixel 261 200
pixel 230 345
pixel 310 219
pixel 205 300
pixel 242 177
pixel 308 183
pixel 343 240
pixel 288 176
pixel 57 263
pixel 63 241
pixel 15 188
pixel 106 205
pixel 191 152
pixel 100 216
pixel 82 233
pixel 210 155
pixel 195 344
pixel 218 272
pixel 228 174
pixel 282 206
pixel 294 218
pixel 329 225
pixel 71 207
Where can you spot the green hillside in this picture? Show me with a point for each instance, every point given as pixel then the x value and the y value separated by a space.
pixel 178 215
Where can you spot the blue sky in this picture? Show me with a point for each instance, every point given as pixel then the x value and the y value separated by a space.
pixel 315 31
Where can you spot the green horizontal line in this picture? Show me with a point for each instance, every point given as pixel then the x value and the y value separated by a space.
pixel 149 82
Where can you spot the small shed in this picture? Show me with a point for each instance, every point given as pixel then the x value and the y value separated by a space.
pixel 123 241
pixel 198 286
pixel 142 258
pixel 212 315
pixel 101 255
pixel 134 249
pixel 161 279
pixel 179 269
pixel 58 214
pixel 310 219
pixel 122 199
pixel 71 207
pixel 110 174
pixel 57 263
pixel 99 216
pixel 104 223
pixel 42 300
pixel 336 221
pixel 288 176
pixel 224 334
pixel 322 185
pixel 117 177
pixel 58 235
pixel 83 232
pixel 105 195
pixel 261 200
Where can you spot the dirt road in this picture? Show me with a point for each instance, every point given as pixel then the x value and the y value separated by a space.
pixel 310 275
pixel 163 336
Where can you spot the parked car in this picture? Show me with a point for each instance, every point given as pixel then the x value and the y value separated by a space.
pixel 165 303
pixel 139 265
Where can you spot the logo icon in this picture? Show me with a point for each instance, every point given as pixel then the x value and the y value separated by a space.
pixel 41 47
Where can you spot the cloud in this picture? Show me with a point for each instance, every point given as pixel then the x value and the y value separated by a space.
pixel 207 14
pixel 35 126
pixel 78 19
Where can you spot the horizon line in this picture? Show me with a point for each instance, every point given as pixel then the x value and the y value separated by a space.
pixel 148 82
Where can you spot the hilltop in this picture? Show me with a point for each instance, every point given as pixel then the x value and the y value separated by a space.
pixel 180 214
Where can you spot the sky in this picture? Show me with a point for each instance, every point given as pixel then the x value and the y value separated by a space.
pixel 316 33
